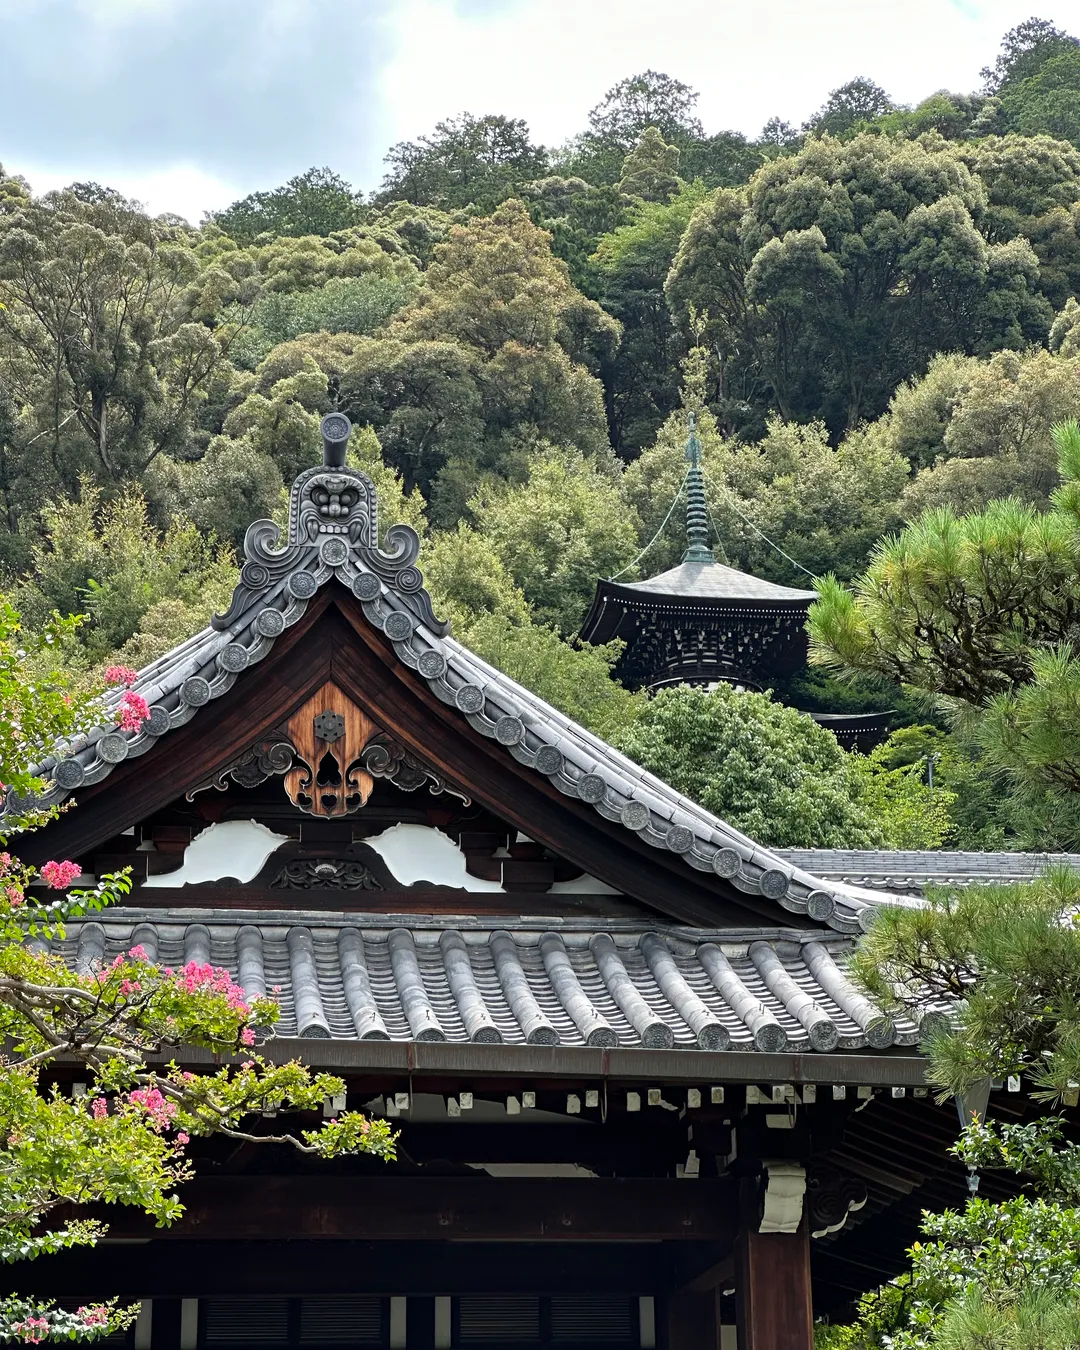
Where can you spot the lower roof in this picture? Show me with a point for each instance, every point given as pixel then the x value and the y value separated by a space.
pixel 716 581
pixel 911 871
pixel 360 977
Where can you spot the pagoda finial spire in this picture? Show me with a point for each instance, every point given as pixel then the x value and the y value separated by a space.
pixel 697 513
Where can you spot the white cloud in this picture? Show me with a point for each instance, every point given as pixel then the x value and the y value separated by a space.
pixel 549 61
pixel 182 189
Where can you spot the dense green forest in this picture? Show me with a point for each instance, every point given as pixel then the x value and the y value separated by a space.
pixel 874 318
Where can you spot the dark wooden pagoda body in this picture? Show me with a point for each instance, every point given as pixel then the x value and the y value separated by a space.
pixel 639 1102
pixel 704 623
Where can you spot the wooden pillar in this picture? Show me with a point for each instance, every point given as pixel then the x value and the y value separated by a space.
pixel 772 1289
pixel 693 1321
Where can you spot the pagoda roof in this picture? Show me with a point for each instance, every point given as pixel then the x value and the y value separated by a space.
pixel 332 556
pixel 716 581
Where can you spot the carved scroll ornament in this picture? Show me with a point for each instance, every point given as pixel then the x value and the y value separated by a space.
pixel 330 753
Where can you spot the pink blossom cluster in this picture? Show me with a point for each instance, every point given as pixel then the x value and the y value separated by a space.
pixel 57 875
pixel 120 675
pixel 32 1330
pixel 194 978
pixel 96 1316
pixel 10 883
pixel 134 711
pixel 157 1107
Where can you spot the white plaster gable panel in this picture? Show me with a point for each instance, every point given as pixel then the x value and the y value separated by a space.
pixel 228 849
pixel 421 853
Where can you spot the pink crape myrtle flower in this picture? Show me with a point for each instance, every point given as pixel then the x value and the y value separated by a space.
pixel 33 1330
pixel 57 875
pixel 195 978
pixel 100 1108
pixel 247 1036
pixel 120 675
pixel 134 711
pixel 157 1107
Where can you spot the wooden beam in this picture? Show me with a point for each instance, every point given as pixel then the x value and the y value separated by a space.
pixel 242 1208
pixel 720 1275
pixel 467 1065
pixel 164 1269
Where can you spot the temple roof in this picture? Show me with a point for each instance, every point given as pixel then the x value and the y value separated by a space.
pixel 715 581
pixel 369 977
pixel 333 538
pixel 910 872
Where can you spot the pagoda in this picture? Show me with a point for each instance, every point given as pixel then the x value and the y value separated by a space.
pixel 704 623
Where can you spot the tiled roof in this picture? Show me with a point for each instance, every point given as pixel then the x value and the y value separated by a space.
pixel 361 977
pixel 715 581
pixel 911 871
pixel 332 536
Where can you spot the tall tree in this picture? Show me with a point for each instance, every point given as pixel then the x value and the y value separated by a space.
pixel 317 201
pixel 860 100
pixel 1033 192
pixel 638 102
pixel 632 262
pixel 1025 49
pixel 499 315
pixel 103 356
pixel 1047 102
pixel 466 160
pixel 650 171
pixel 557 532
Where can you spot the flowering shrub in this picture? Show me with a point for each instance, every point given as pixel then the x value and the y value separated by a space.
pixel 125 1141
pixel 133 710
pixel 30 1324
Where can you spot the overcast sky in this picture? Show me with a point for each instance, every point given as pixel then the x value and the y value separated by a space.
pixel 188 104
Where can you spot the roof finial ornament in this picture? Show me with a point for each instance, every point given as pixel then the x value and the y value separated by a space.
pixel 336 429
pixel 697 512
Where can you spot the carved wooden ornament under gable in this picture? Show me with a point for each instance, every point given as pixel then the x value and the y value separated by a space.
pixel 329 753
pixel 329 734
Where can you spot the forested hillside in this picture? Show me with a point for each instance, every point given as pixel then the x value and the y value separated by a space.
pixel 874 317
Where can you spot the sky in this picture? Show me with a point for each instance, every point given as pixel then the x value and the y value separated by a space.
pixel 187 105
